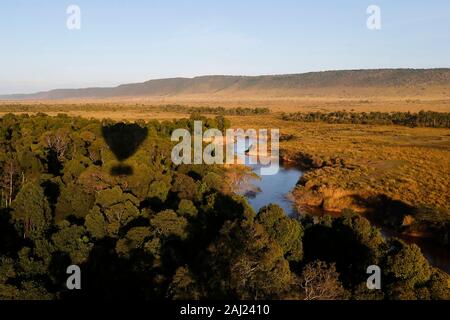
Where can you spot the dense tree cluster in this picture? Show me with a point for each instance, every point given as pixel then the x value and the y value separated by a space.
pixel 419 119
pixel 239 111
pixel 168 231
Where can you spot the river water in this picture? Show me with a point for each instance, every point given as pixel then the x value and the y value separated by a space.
pixel 276 189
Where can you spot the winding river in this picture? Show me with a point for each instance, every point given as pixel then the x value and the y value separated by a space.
pixel 276 189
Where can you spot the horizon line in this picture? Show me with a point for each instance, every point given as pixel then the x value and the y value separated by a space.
pixel 219 75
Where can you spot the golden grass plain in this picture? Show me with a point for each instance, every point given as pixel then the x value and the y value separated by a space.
pixel 413 103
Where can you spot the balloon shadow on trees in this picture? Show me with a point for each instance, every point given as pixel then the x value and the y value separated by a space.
pixel 124 139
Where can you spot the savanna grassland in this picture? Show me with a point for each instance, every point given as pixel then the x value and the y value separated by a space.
pixel 368 167
pixel 399 169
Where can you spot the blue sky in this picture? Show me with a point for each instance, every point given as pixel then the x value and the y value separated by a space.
pixel 133 41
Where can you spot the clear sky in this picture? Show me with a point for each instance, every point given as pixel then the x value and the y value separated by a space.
pixel 133 41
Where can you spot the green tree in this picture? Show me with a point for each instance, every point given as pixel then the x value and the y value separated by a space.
pixel 31 211
pixel 114 209
pixel 167 223
pixel 286 231
pixel 407 272
pixel 185 187
pixel 186 208
pixel 73 201
pixel 159 189
pixel 95 223
pixel 247 263
pixel 133 240
pixel 73 240
pixel 406 263
pixel 183 285
pixel 439 285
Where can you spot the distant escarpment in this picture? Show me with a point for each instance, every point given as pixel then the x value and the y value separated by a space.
pixel 376 82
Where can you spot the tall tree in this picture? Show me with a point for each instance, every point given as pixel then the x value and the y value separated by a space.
pixel 31 211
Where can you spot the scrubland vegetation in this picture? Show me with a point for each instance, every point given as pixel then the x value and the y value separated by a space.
pixel 177 232
pixel 136 107
pixel 420 119
pixel 216 110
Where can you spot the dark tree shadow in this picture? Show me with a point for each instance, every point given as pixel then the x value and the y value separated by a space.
pixel 124 139
pixel 10 240
pixel 338 244
pixel 155 204
pixel 54 166
pixel 121 170
pixel 57 272
pixel 106 276
pixel 51 191
pixel 385 210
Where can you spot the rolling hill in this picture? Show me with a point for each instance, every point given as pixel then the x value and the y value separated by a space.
pixel 408 82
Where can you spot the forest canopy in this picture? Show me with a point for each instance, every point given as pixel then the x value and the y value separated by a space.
pixel 176 232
